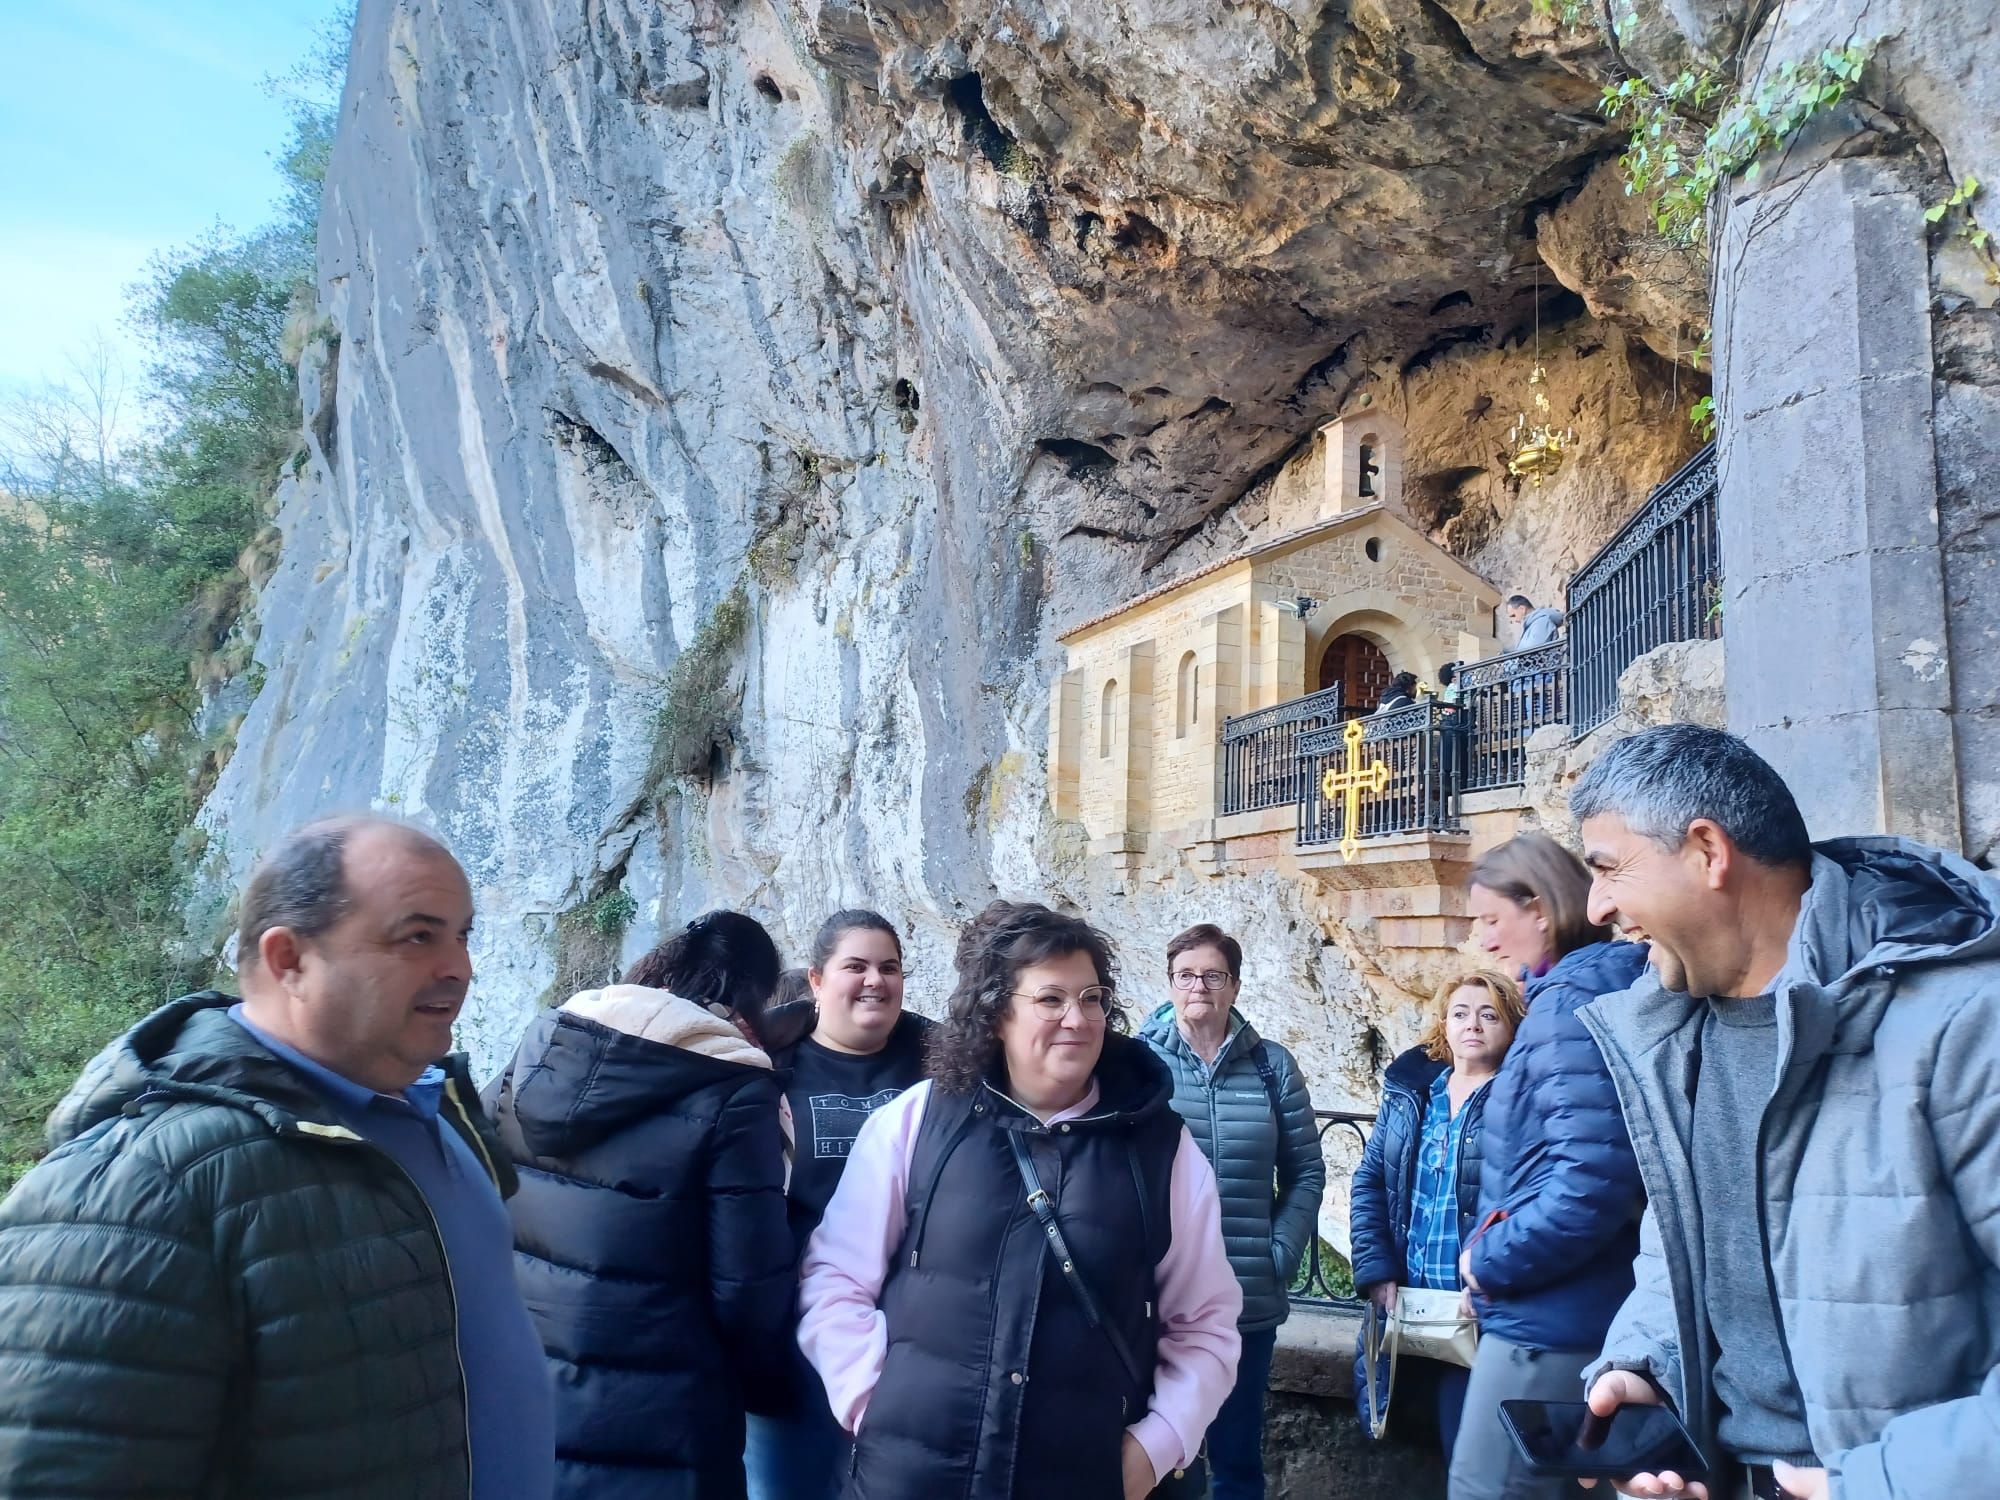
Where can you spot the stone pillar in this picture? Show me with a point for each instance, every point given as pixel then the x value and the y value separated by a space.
pixel 1835 611
pixel 1120 826
pixel 1219 657
pixel 1066 744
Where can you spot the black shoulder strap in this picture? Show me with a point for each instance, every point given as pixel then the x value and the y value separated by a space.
pixel 1044 1210
pixel 1261 1056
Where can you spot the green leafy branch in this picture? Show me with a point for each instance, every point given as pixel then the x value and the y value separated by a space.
pixel 1969 229
pixel 1678 161
pixel 1575 15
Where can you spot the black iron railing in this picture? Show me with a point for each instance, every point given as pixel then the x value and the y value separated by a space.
pixel 1503 700
pixel 1260 760
pixel 1657 580
pixel 1320 1283
pixel 1419 745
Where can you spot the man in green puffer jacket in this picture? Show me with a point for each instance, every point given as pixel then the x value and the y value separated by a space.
pixel 268 1256
pixel 1246 1106
pixel 1811 1073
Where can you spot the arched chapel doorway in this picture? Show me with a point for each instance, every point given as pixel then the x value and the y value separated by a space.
pixel 1358 665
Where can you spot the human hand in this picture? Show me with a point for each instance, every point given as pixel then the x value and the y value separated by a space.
pixel 1140 1480
pixel 1616 1388
pixel 1383 1295
pixel 1465 1276
pixel 1465 1307
pixel 1805 1484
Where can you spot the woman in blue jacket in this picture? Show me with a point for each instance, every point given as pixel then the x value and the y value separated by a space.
pixel 1560 1195
pixel 1416 1192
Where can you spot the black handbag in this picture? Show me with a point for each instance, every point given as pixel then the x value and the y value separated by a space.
pixel 1189 1483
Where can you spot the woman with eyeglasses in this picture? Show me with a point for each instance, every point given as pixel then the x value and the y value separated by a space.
pixel 1248 1110
pixel 1019 1290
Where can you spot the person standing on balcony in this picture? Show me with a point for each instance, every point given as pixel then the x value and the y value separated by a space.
pixel 1416 1193
pixel 1246 1106
pixel 1537 627
pixel 1560 1194
pixel 1401 693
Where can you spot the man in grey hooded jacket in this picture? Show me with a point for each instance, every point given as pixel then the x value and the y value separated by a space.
pixel 1811 1073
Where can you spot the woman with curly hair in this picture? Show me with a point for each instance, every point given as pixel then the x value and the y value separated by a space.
pixel 1019 1290
pixel 1416 1192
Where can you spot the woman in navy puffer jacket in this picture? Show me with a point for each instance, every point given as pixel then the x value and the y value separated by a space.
pixel 1416 1192
pixel 1560 1195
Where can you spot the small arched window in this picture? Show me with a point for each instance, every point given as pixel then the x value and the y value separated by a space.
pixel 1187 695
pixel 1368 467
pixel 1107 719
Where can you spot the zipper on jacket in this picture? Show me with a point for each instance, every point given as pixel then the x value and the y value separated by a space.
pixel 1771 1275
pixel 352 1141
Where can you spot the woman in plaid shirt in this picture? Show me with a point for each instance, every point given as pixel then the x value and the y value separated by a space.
pixel 1416 1192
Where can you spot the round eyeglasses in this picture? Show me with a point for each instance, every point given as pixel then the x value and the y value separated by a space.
pixel 1092 1004
pixel 1208 979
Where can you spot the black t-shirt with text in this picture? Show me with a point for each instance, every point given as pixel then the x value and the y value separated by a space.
pixel 831 1095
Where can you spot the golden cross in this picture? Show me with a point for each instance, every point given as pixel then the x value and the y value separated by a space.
pixel 1352 782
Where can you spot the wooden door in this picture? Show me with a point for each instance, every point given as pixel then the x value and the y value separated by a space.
pixel 1358 665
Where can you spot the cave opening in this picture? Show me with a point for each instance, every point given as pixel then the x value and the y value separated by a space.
pixel 967 97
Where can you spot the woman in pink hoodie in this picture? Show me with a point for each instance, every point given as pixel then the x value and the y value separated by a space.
pixel 1019 1290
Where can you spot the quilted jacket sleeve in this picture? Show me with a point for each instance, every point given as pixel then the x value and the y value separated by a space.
pixel 1560 1112
pixel 1645 1335
pixel 752 1280
pixel 1371 1228
pixel 1950 1449
pixel 116 1331
pixel 1301 1170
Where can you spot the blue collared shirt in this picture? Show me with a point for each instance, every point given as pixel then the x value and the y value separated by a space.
pixel 1432 1258
pixel 509 1405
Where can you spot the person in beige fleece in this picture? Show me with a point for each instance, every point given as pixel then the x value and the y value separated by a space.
pixel 650 1234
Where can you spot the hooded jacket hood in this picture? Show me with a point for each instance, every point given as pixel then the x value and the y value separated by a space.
pixel 187 1049
pixel 1415 1070
pixel 611 1056
pixel 1876 901
pixel 190 1051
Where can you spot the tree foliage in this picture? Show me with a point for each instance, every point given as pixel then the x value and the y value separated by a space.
pixel 118 573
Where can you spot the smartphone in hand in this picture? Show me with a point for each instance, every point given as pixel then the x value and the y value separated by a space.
pixel 1566 1440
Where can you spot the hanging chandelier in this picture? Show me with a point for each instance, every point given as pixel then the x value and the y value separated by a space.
pixel 1536 447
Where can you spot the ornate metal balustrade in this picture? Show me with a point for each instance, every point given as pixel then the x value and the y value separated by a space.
pixel 1260 760
pixel 1320 1284
pixel 1504 699
pixel 1420 745
pixel 1657 580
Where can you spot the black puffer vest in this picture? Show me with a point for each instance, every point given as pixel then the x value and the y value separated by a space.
pixel 995 1387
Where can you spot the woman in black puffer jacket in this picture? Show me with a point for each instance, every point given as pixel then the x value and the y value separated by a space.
pixel 650 1227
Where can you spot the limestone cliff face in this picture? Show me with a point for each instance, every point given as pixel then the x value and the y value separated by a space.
pixel 796 367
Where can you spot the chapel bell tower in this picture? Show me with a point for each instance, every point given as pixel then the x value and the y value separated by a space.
pixel 1363 455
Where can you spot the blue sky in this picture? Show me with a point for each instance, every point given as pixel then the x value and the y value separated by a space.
pixel 127 127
